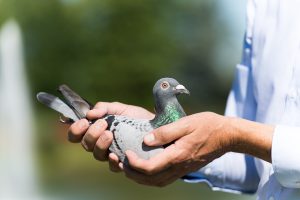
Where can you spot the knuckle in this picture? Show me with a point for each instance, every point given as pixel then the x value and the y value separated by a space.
pixel 113 167
pixel 96 112
pixel 100 147
pixel 104 141
pixel 117 103
pixel 79 127
pixel 102 123
pixel 99 156
pixel 73 137
pixel 100 104
pixel 90 136
pixel 159 135
pixel 187 124
pixel 182 155
pixel 74 129
pixel 85 146
pixel 149 170
pixel 95 130
pixel 208 114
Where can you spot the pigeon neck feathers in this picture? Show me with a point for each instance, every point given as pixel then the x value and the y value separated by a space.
pixel 167 112
pixel 167 107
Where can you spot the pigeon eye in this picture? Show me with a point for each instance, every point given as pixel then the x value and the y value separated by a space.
pixel 165 85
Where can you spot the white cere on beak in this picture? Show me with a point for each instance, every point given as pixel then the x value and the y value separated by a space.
pixel 180 87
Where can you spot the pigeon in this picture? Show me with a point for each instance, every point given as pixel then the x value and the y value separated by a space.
pixel 128 133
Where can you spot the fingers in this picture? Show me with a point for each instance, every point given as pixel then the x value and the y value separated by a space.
pixel 159 180
pixel 103 108
pixel 100 151
pixel 168 133
pixel 156 163
pixel 95 138
pixel 77 130
pixel 160 170
pixel 114 163
pixel 91 136
pixel 96 113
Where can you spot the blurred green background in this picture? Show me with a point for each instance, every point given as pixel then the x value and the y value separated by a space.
pixel 112 50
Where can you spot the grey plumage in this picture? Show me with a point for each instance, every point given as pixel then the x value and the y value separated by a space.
pixel 57 104
pixel 81 107
pixel 128 135
pixel 128 132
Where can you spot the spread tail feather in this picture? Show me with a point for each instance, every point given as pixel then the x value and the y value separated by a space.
pixel 81 107
pixel 57 104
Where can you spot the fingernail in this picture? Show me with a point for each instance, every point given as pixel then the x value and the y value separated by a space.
pixel 101 122
pixel 98 124
pixel 83 124
pixel 121 166
pixel 149 138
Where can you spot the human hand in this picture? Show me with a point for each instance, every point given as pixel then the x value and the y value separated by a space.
pixel 95 138
pixel 198 139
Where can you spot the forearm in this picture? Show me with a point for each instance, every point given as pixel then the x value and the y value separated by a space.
pixel 251 138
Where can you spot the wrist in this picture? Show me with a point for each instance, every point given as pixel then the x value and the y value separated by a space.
pixel 235 134
pixel 251 138
pixel 232 135
pixel 227 134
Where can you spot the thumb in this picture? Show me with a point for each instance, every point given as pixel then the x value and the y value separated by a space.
pixel 168 133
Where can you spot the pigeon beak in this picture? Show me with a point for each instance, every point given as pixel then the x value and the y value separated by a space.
pixel 180 89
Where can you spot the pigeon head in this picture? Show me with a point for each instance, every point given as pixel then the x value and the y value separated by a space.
pixel 166 88
pixel 167 107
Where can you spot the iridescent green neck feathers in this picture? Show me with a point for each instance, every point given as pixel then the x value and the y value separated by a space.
pixel 171 112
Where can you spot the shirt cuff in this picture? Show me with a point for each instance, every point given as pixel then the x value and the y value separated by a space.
pixel 286 155
pixel 197 177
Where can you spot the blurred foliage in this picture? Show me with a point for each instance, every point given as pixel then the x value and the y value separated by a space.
pixel 113 50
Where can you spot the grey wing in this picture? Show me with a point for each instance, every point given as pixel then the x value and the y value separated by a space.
pixel 79 104
pixel 56 104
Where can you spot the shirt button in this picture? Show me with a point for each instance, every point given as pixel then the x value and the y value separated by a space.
pixel 271 198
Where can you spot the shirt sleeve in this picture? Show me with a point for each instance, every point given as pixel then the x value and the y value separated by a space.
pixel 233 172
pixel 286 155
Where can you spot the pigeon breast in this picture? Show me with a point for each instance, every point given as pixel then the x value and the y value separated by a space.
pixel 129 135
